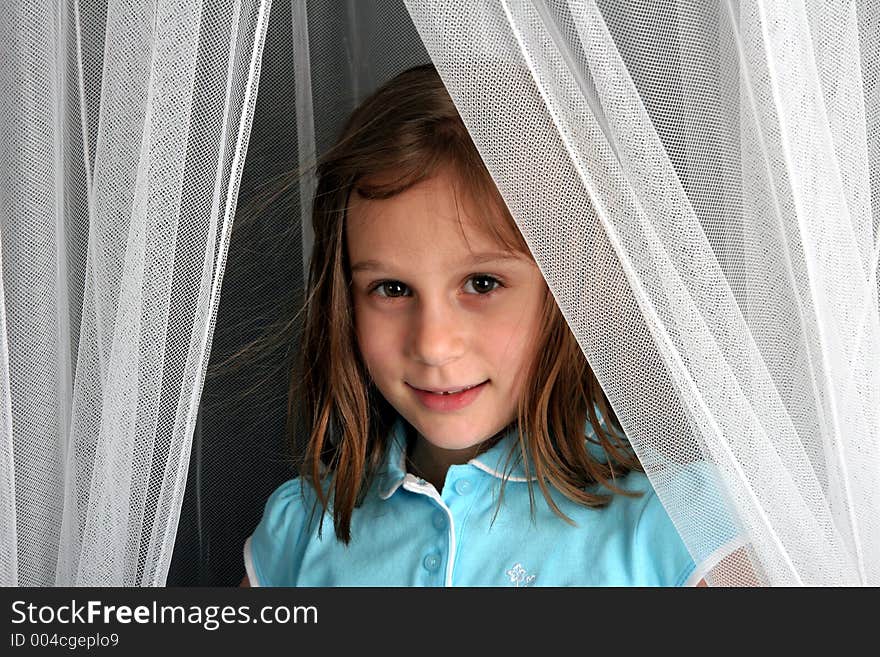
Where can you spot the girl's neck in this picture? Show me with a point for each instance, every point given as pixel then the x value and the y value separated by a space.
pixel 431 462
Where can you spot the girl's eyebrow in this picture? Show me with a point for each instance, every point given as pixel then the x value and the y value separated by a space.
pixel 477 259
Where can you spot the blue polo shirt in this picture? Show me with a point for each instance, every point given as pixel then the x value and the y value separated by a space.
pixel 406 533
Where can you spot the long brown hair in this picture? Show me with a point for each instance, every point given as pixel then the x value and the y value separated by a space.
pixel 400 135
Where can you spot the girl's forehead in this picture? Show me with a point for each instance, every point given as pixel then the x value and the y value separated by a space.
pixel 429 235
pixel 436 210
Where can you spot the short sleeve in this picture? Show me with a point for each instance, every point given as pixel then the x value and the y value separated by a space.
pixel 270 552
pixel 661 557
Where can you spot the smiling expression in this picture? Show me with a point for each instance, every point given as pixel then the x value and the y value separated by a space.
pixel 440 304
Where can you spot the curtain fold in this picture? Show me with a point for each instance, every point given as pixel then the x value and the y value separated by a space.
pixel 123 130
pixel 698 182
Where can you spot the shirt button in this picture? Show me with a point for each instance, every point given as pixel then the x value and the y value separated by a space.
pixel 439 519
pixel 431 562
pixel 463 486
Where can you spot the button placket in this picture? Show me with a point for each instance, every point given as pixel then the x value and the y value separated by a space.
pixel 459 495
pixel 434 562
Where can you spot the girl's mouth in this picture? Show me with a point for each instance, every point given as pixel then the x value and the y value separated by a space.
pixel 451 401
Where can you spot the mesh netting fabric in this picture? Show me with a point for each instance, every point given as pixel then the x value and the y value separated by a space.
pixel 122 133
pixel 699 184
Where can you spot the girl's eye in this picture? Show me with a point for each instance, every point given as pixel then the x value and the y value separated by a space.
pixel 483 286
pixel 391 288
pixel 487 284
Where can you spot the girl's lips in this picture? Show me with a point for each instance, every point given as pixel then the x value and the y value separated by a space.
pixel 452 402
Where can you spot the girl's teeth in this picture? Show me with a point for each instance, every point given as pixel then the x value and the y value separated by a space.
pixel 453 392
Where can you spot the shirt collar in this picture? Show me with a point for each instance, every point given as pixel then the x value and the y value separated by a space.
pixel 494 461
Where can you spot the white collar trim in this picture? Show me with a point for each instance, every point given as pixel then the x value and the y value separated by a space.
pixel 485 468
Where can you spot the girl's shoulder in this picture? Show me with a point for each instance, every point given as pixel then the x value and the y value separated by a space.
pixel 694 483
pixel 290 505
pixel 268 550
pixel 642 508
pixel 285 498
pixel 655 553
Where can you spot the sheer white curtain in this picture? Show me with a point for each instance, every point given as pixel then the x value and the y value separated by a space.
pixel 123 129
pixel 700 183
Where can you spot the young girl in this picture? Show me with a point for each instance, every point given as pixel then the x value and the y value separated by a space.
pixel 443 388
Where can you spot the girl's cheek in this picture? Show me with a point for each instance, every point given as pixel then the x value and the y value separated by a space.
pixel 365 329
pixel 518 342
pixel 375 331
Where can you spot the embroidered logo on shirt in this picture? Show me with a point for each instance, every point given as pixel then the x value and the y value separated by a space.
pixel 519 577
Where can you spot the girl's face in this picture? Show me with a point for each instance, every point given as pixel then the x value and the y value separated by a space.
pixel 433 313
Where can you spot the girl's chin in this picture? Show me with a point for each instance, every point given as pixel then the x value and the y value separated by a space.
pixel 457 446
pixel 452 436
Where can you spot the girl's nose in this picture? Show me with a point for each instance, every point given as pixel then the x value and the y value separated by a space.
pixel 437 334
